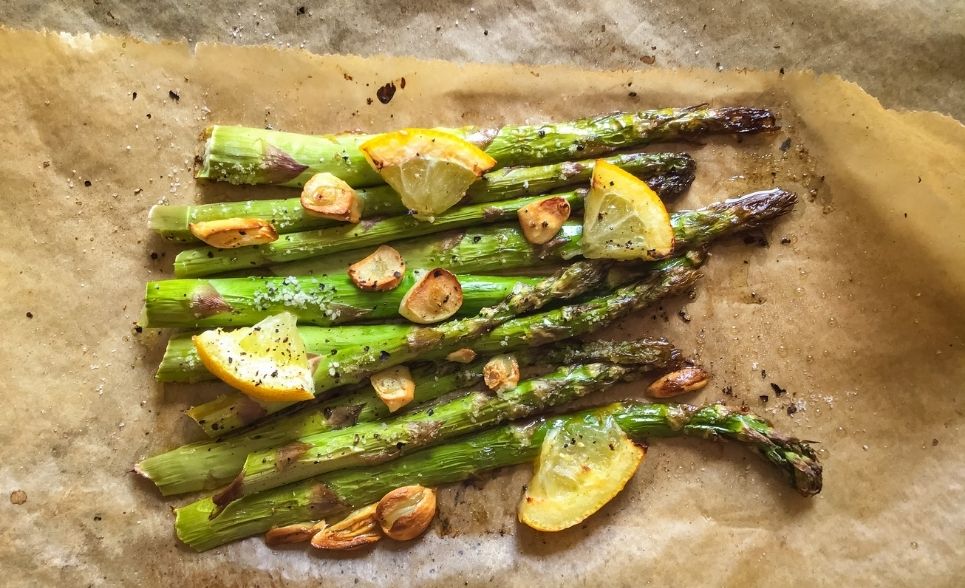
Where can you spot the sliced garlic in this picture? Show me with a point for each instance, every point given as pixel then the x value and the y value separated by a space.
pixel 327 196
pixel 234 232
pixel 501 373
pixel 464 355
pixel 688 379
pixel 297 533
pixel 381 271
pixel 435 297
pixel 405 513
pixel 542 220
pixel 356 530
pixel 394 386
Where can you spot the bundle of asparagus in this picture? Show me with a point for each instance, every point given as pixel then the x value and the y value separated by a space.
pixel 341 445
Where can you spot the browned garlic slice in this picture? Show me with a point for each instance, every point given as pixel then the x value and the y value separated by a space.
pixel 234 232
pixel 356 530
pixel 464 355
pixel 501 373
pixel 327 196
pixel 435 297
pixel 688 379
pixel 379 272
pixel 297 533
pixel 394 386
pixel 541 220
pixel 405 513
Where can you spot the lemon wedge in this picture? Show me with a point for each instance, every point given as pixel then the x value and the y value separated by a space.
pixel 267 362
pixel 430 169
pixel 624 218
pixel 581 467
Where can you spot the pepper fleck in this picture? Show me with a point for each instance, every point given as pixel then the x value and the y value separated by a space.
pixel 778 391
pixel 30 314
pixel 174 96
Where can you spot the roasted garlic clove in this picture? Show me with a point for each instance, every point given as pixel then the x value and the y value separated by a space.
pixel 381 271
pixel 688 379
pixel 541 220
pixel 435 297
pixel 394 386
pixel 501 373
pixel 405 513
pixel 464 355
pixel 327 196
pixel 356 530
pixel 297 533
pixel 234 232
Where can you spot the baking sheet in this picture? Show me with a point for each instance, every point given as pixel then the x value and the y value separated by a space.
pixel 854 306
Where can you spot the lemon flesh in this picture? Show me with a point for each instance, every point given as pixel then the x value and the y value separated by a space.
pixel 624 218
pixel 267 362
pixel 581 467
pixel 431 170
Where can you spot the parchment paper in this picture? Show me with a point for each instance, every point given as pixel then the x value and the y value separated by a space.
pixel 854 307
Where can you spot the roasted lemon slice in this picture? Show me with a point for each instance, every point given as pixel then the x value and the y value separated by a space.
pixel 624 218
pixel 581 467
pixel 430 169
pixel 267 361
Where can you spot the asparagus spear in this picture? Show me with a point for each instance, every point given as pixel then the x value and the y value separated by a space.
pixel 235 411
pixel 502 247
pixel 325 301
pixel 204 261
pixel 692 229
pixel 371 443
pixel 243 155
pixel 667 173
pixel 335 492
pixel 210 464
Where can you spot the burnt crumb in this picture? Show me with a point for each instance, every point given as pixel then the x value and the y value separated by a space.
pixel 87 183
pixel 300 10
pixel 648 59
pixel 763 374
pixel 174 96
pixel 781 71
pixel 727 390
pixel 368 101
pixel 138 329
pixel 787 240
pixel 133 95
pixel 18 497
pixel 30 314
pixel 46 164
pixel 402 84
pixel 97 518
pixel 934 442
pixel 791 409
pixel 386 93
pixel 485 32
pixel 778 391
pixel 786 145
pixel 154 255
pixel 632 94
pixel 149 115
pixel 684 316
pixel 764 398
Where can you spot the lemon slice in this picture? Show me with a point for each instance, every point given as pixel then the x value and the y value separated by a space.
pixel 430 169
pixel 267 361
pixel 581 467
pixel 624 218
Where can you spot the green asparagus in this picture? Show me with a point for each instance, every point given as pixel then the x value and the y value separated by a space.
pixel 336 492
pixel 371 443
pixel 325 301
pixel 235 411
pixel 210 464
pixel 668 174
pixel 205 261
pixel 243 155
pixel 502 247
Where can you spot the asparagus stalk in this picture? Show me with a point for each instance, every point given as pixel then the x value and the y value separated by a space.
pixel 371 443
pixel 325 301
pixel 516 443
pixel 692 229
pixel 206 260
pixel 243 155
pixel 667 173
pixel 502 247
pixel 210 464
pixel 236 411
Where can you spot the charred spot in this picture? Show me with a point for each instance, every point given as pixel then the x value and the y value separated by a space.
pixel 386 93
